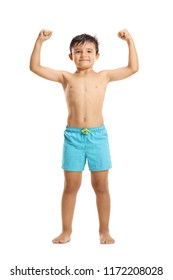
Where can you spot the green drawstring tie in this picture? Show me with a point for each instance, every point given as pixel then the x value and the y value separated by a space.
pixel 86 131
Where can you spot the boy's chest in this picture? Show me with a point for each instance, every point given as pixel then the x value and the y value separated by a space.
pixel 86 84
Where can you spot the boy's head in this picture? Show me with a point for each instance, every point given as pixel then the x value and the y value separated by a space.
pixel 82 39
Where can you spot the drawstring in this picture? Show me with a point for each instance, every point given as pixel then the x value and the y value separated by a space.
pixel 86 131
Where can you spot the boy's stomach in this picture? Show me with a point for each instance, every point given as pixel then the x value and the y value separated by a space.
pixel 85 120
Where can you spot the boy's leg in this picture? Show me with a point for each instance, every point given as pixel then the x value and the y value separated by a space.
pixel 99 180
pixel 72 182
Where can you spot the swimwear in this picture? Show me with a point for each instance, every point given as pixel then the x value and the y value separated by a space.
pixel 87 144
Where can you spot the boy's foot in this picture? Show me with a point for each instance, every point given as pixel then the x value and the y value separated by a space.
pixel 64 237
pixel 105 238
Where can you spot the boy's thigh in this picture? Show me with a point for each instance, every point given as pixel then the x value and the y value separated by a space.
pixel 98 153
pixel 72 180
pixel 73 158
pixel 99 180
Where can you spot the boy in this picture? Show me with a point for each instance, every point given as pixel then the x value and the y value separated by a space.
pixel 85 136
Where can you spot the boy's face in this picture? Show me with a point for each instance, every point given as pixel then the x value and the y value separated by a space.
pixel 84 55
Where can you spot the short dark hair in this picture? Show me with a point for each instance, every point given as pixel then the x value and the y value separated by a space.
pixel 81 39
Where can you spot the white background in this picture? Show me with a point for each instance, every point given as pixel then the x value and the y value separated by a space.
pixel 138 116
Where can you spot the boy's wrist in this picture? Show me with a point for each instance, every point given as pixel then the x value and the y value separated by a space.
pixel 39 41
pixel 129 40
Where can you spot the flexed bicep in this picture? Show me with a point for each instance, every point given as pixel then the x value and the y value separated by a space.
pixel 49 74
pixel 119 74
pixel 35 64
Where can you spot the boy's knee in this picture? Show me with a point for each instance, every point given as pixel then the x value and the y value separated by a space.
pixel 72 182
pixel 71 188
pixel 100 187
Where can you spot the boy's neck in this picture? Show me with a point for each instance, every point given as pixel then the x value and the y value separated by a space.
pixel 84 71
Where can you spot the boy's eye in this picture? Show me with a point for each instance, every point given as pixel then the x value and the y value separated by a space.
pixel 78 51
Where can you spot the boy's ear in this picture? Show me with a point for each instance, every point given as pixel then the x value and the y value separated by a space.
pixel 97 56
pixel 70 56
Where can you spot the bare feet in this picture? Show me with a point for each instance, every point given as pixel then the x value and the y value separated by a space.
pixel 105 238
pixel 64 237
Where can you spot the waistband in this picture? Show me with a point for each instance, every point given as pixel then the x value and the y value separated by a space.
pixel 90 129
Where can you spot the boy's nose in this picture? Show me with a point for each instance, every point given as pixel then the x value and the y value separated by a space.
pixel 83 54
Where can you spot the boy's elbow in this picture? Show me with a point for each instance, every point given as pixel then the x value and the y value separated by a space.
pixel 135 69
pixel 31 67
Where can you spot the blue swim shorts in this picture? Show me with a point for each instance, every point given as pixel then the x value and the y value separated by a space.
pixel 81 145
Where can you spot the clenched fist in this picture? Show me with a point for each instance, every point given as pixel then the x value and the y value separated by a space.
pixel 44 35
pixel 124 35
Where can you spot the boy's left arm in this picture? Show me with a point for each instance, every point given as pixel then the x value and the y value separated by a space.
pixel 132 67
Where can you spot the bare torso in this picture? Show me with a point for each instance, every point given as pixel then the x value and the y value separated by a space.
pixel 85 89
pixel 84 94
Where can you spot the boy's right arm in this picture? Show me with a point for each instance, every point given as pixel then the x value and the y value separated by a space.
pixel 35 65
